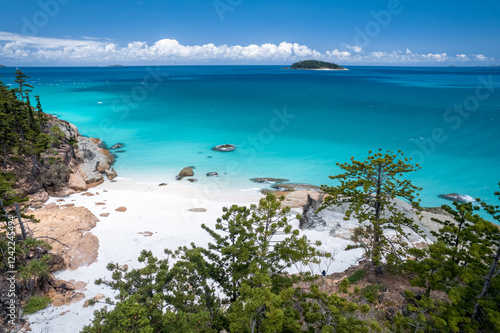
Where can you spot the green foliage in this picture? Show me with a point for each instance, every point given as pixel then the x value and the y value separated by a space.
pixel 261 236
pixel 315 64
pixel 36 303
pixel 371 187
pixel 344 286
pixel 330 313
pixel 357 276
pixel 463 263
pixel 371 292
pixel 23 136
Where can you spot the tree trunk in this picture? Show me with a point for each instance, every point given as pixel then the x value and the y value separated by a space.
pixel 23 231
pixel 376 227
pixel 487 282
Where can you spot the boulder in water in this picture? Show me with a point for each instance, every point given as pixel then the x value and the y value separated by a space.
pixel 117 146
pixel 186 172
pixel 212 174
pixel 462 198
pixel 268 180
pixel 296 187
pixel 224 148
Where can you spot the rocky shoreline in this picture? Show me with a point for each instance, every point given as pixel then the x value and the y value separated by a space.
pixel 88 161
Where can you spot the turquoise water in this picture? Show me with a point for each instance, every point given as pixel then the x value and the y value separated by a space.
pixel 170 117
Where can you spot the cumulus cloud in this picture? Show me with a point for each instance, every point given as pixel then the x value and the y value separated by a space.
pixel 480 57
pixel 95 51
pixel 355 48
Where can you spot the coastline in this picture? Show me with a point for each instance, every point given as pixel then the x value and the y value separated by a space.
pixel 157 217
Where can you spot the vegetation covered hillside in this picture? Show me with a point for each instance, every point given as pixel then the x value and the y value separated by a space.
pixel 29 140
pixel 315 64
pixel 42 155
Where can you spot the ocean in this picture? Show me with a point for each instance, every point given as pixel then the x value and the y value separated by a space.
pixel 285 123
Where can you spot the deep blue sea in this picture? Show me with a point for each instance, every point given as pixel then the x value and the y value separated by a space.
pixel 286 124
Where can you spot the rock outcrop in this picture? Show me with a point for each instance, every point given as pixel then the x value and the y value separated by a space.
pixel 311 220
pixel 186 172
pixel 332 219
pixel 70 226
pixel 85 161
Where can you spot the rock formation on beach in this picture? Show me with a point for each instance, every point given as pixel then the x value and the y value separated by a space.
pixel 331 219
pixel 71 227
pixel 74 163
pixel 88 161
pixel 186 172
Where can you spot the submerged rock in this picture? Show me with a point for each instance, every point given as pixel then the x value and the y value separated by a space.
pixel 163 184
pixel 117 146
pixel 186 172
pixel 462 198
pixel 224 148
pixel 296 187
pixel 212 174
pixel 193 180
pixel 268 180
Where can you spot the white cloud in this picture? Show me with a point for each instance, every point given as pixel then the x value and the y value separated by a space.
pixel 480 57
pixel 355 48
pixel 89 51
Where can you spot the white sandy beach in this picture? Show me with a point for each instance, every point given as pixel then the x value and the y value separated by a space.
pixel 162 211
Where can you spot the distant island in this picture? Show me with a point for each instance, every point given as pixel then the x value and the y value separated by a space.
pixel 114 66
pixel 2 65
pixel 316 65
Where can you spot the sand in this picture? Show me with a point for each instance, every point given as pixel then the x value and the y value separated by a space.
pixel 156 217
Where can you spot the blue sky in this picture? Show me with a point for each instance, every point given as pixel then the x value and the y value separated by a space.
pixel 389 32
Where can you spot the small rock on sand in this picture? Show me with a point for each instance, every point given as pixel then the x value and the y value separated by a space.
pixel 104 214
pixel 121 209
pixel 197 210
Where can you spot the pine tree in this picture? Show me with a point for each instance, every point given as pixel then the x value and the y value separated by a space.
pixel 21 79
pixel 371 187
pixel 483 307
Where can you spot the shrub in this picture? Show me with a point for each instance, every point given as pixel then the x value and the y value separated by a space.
pixel 344 286
pixel 357 276
pixel 36 303
pixel 371 292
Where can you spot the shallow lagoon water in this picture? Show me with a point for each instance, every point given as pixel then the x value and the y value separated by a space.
pixel 285 124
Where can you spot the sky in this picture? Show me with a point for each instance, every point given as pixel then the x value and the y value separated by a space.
pixel 209 32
